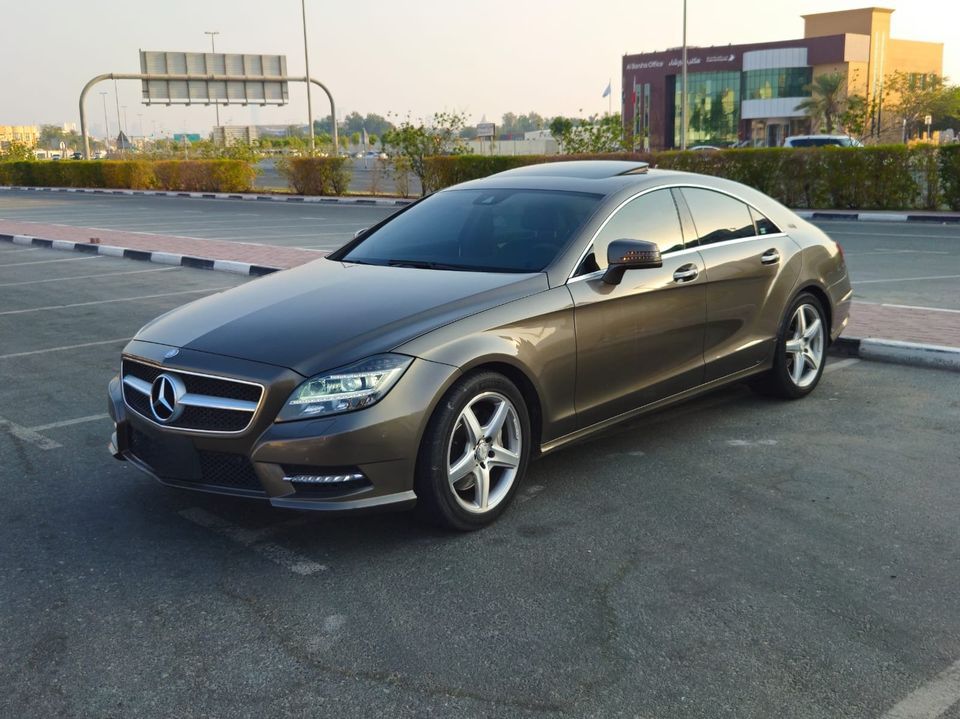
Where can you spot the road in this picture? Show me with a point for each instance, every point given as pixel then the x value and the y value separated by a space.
pixel 916 264
pixel 732 557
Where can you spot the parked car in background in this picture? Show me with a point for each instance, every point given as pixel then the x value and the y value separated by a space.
pixel 821 141
pixel 429 359
pixel 704 148
pixel 76 156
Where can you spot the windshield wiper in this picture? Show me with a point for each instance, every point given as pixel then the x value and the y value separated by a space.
pixel 427 265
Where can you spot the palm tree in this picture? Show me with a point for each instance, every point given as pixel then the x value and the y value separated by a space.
pixel 826 100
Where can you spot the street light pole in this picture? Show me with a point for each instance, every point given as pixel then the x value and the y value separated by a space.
pixel 683 84
pixel 306 59
pixel 213 51
pixel 106 122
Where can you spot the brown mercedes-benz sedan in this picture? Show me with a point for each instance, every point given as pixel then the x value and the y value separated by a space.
pixel 427 361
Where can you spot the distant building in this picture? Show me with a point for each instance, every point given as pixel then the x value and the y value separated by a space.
pixel 231 134
pixel 28 135
pixel 749 93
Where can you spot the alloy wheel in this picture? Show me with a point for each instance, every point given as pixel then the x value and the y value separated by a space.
pixel 804 346
pixel 484 451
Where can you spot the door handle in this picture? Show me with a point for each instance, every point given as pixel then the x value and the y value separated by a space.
pixel 686 273
pixel 770 257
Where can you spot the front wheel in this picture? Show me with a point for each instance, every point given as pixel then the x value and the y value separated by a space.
pixel 800 353
pixel 474 453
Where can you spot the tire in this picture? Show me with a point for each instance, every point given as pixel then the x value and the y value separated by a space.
pixel 797 343
pixel 458 458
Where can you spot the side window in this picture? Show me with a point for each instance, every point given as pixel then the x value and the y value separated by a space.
pixel 718 217
pixel 652 217
pixel 764 225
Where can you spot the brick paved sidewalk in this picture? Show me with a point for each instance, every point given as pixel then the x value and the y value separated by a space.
pixel 906 324
pixel 255 254
pixel 878 321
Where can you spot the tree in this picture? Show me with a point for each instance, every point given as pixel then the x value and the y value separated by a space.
pixel 912 97
pixel 598 134
pixel 15 151
pixel 415 142
pixel 50 137
pixel 826 101
pixel 560 128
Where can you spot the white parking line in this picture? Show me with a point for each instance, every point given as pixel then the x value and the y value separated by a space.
pixel 28 435
pixel 833 366
pixel 64 348
pixel 908 279
pixel 530 492
pixel 13 252
pixel 910 307
pixel 104 302
pixel 931 700
pixel 85 277
pixel 834 231
pixel 70 422
pixel 48 262
pixel 286 558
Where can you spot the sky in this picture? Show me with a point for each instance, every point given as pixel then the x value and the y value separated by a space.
pixel 403 57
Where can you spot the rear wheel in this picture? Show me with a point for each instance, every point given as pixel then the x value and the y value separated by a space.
pixel 474 453
pixel 800 354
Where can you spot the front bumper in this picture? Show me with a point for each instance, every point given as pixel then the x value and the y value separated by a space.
pixel 380 442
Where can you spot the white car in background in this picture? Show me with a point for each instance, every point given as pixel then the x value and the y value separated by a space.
pixel 821 141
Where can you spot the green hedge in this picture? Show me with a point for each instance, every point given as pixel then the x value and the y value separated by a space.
pixel 870 178
pixel 183 175
pixel 316 175
pixel 950 175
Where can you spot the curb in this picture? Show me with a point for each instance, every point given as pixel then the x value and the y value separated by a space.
pixel 877 216
pixel 897 352
pixel 320 199
pixel 163 258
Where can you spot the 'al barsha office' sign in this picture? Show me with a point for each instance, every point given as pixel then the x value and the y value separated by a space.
pixel 677 62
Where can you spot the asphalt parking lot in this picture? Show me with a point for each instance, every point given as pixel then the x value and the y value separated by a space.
pixel 915 264
pixel 731 557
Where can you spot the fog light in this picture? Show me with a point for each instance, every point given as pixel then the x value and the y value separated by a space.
pixel 323 478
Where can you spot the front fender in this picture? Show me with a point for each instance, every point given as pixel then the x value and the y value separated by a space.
pixel 534 335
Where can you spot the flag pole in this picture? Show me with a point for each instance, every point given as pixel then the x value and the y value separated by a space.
pixel 683 84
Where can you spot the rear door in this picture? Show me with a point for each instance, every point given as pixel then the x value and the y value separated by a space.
pixel 641 340
pixel 751 270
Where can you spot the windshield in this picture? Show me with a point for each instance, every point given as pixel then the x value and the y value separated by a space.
pixel 478 230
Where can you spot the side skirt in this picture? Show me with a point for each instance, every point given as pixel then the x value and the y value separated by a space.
pixel 659 404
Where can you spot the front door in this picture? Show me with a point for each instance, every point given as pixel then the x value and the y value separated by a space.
pixel 641 340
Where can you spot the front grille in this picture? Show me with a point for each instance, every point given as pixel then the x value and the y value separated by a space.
pixel 228 470
pixel 199 418
pixel 216 469
pixel 148 450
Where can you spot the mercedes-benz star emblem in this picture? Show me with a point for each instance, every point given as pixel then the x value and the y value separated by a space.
pixel 165 397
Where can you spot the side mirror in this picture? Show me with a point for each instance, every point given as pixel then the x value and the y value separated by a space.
pixel 360 232
pixel 623 255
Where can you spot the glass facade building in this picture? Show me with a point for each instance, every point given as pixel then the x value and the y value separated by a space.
pixel 771 83
pixel 752 95
pixel 713 108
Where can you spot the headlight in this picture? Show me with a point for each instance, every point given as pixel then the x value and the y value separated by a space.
pixel 345 389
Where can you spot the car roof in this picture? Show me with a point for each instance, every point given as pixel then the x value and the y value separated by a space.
pixel 602 177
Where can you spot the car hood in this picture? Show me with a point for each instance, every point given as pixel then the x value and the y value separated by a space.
pixel 326 313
